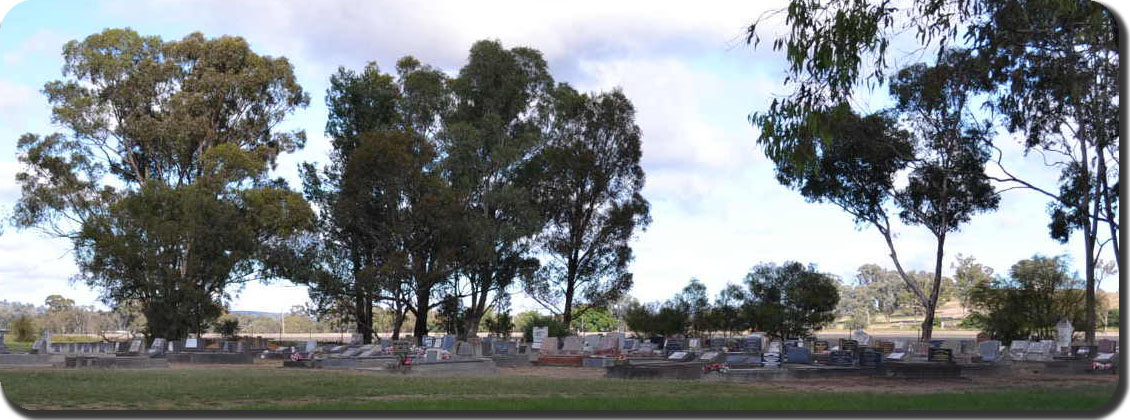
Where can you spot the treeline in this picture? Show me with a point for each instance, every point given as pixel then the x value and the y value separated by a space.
pixel 59 315
pixel 443 193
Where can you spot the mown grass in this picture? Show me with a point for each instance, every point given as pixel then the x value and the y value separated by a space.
pixel 254 389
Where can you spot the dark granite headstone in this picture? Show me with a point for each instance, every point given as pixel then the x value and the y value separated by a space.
pixel 940 355
pixel 841 358
pixel 717 343
pixel 886 347
pixel 798 355
pixel 819 346
pixel 673 345
pixel 751 344
pixel 849 345
pixel 870 358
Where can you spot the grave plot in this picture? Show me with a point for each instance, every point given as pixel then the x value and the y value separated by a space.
pixel 200 351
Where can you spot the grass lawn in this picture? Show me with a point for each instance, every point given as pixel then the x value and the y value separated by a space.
pixel 303 389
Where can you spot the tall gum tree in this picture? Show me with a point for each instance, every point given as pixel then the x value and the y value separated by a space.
pixel 160 180
pixel 589 191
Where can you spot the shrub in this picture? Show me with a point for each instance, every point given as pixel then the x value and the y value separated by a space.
pixel 557 327
pixel 23 329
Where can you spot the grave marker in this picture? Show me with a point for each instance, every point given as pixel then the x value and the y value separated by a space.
pixel 940 355
pixel 798 355
pixel 870 358
pixel 849 345
pixel 841 358
pixel 820 346
pixel 990 350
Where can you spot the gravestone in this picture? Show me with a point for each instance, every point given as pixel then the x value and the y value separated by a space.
pixel 798 355
pixel 592 342
pixel 982 336
pixel 629 344
pixel 886 347
pixel 1038 350
pixel 709 356
pixel 861 338
pixel 311 345
pixel 774 347
pixel 791 343
pixel 447 343
pixel 191 344
pixel 3 347
pixel 502 348
pixel 572 345
pixel 1107 345
pixel 1017 349
pixel 429 342
pixel 870 358
pixel 954 346
pixel 548 345
pixel 486 347
pixel 841 358
pixel 819 346
pixel 1063 333
pixel 134 346
pixel 158 347
pixel 694 344
pixel 540 336
pixel 940 355
pixel 990 351
pixel 718 343
pixel 771 359
pixel 849 345
pixel 431 356
pixel 901 345
pixel 751 344
pixel 672 345
pixel 462 348
pixel 969 347
pixel 39 347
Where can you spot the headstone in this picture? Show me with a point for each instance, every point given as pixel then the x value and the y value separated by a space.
pixel 432 355
pixel 3 347
pixel 191 343
pixel 901 345
pixel 849 345
pixel 311 345
pixel 548 345
pixel 717 343
pixel 870 358
pixel 990 351
pixel 673 345
pixel 502 347
pixel 1107 345
pixel 540 336
pixel 798 355
pixel 693 343
pixel 969 347
pixel 572 345
pixel 134 346
pixel 774 347
pixel 709 356
pixel 1063 333
pixel 861 338
pixel 158 347
pixel 629 344
pixel 841 358
pixel 462 348
pixel 886 347
pixel 447 343
pixel 771 359
pixel 954 346
pixel 819 346
pixel 940 355
pixel 982 336
pixel 39 347
pixel 751 344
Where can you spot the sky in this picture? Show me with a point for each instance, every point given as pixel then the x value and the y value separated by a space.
pixel 717 209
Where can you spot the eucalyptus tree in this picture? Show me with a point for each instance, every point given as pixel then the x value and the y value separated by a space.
pixel 1052 63
pixel 948 184
pixel 790 300
pixel 161 180
pixel 490 137
pixel 589 191
pixel 361 203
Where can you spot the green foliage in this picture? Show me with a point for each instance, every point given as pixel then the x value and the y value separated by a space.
pixel 589 191
pixel 557 328
pixel 1035 296
pixel 23 329
pixel 500 325
pixel 790 300
pixel 726 314
pixel 665 319
pixel 160 180
pixel 594 320
pixel 227 327
pixel 968 276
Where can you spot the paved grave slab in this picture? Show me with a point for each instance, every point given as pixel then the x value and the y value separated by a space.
pixel 870 358
pixel 897 356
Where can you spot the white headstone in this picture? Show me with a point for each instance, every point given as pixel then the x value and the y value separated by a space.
pixel 540 334
pixel 190 343
pixel 861 337
pixel 1063 332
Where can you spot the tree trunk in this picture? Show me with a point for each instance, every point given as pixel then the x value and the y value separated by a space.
pixel 364 322
pixel 1109 210
pixel 928 323
pixel 398 323
pixel 420 331
pixel 568 313
pixel 1089 246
